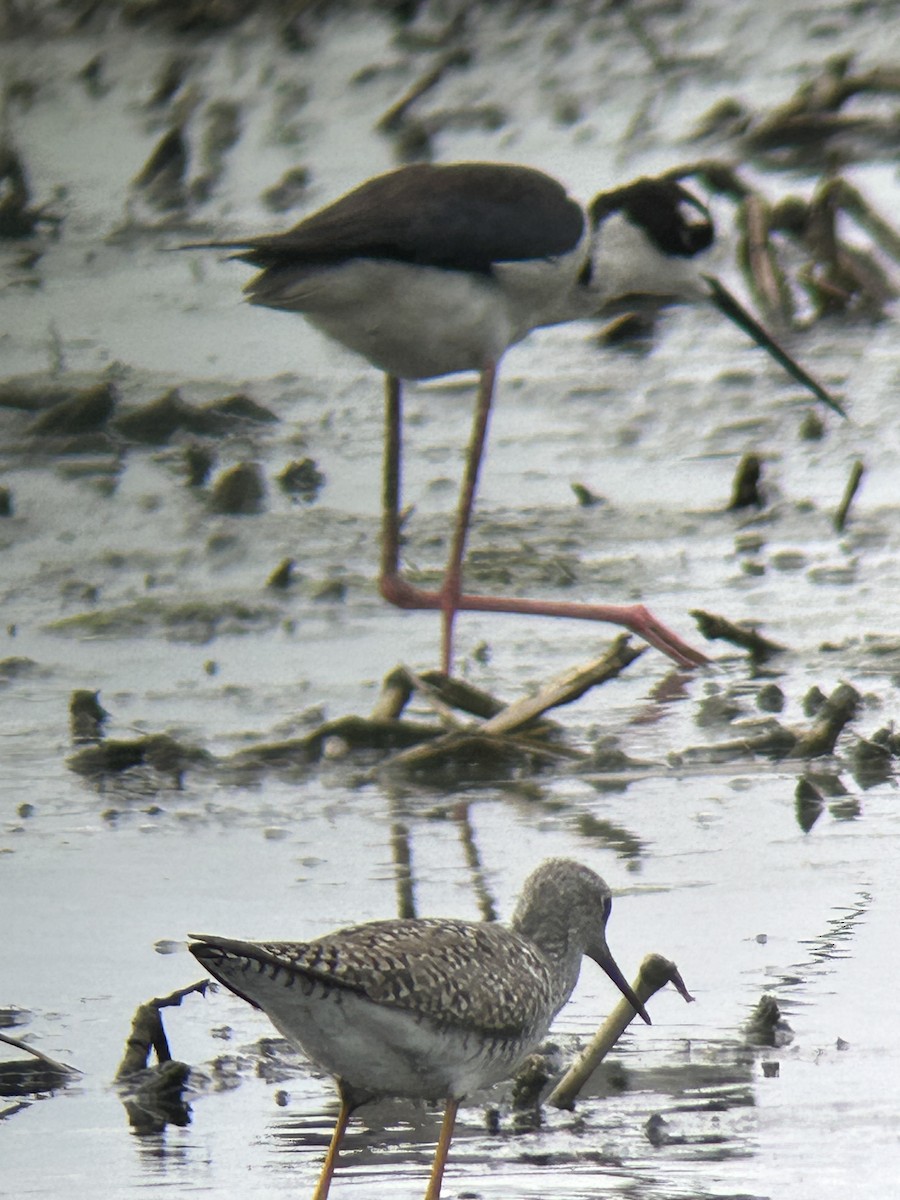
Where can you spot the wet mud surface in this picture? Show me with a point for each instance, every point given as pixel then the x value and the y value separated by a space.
pixel 135 566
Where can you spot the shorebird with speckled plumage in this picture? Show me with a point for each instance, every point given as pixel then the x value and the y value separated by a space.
pixel 426 1008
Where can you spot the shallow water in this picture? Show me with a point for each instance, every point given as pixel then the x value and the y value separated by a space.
pixel 116 576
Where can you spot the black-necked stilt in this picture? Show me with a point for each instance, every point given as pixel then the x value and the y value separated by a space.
pixel 429 1009
pixel 429 270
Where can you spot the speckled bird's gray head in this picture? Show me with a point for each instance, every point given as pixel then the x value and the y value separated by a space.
pixel 563 909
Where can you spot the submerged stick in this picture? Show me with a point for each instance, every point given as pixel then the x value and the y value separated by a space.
pixel 396 689
pixel 654 974
pixel 18 1044
pixel 153 1096
pixel 731 307
pixel 399 684
pixel 147 1032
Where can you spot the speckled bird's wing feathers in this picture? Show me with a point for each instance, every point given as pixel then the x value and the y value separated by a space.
pixel 453 972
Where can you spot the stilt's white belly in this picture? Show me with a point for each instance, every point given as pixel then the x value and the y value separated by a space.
pixel 420 322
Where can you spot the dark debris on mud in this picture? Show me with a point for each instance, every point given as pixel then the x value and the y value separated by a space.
pixel 465 735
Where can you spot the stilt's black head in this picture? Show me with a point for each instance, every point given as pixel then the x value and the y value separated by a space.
pixel 674 220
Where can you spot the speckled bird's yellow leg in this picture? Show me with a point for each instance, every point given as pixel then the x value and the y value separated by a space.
pixel 324 1183
pixel 440 1154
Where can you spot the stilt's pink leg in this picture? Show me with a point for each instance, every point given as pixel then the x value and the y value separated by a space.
pixel 451 599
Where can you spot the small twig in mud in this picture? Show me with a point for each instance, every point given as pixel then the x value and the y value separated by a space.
pixel 396 689
pixel 766 1026
pixel 87 716
pixel 637 27
pixel 391 120
pixel 715 627
pixel 398 686
pixel 157 752
pixel 333 739
pixel 838 276
pixel 856 474
pixel 18 1044
pixel 654 974
pixel 583 494
pixel 472 748
pixel 464 696
pixel 772 740
pixel 852 202
pixel 818 99
pixel 283 575
pixel 803 128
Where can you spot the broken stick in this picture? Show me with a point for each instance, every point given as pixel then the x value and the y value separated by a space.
pixel 654 974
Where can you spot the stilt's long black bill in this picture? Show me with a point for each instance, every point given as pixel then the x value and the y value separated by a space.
pixel 602 957
pixel 730 306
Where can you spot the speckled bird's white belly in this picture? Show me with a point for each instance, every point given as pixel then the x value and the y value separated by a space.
pixel 389 1051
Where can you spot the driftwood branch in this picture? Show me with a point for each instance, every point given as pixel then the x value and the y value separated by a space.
pixel 745 490
pixel 514 730
pixel 838 710
pixel 430 691
pixel 565 689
